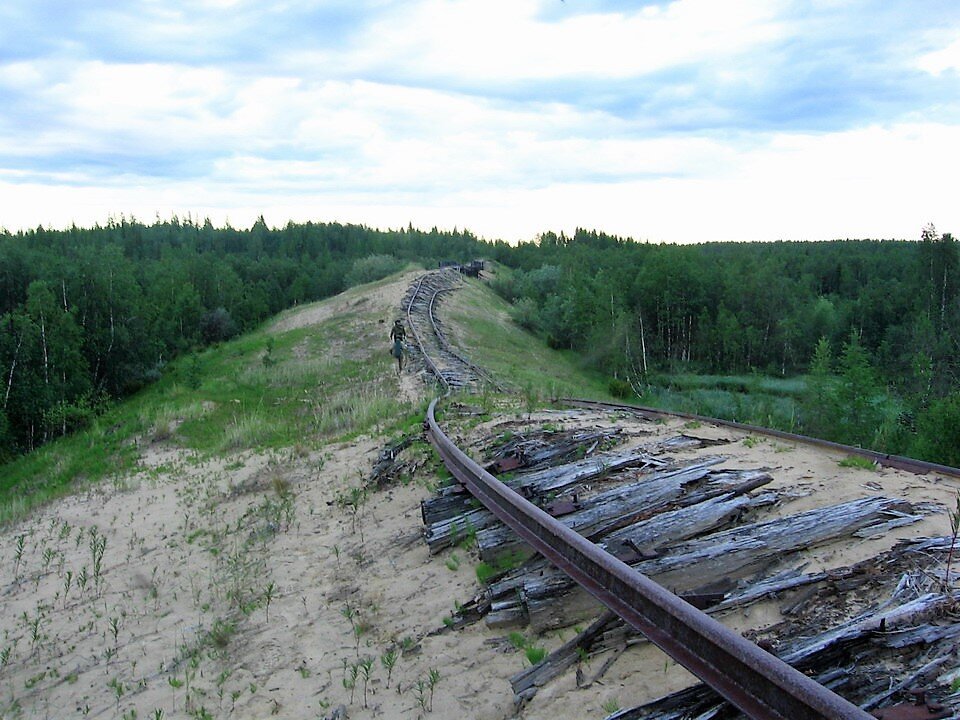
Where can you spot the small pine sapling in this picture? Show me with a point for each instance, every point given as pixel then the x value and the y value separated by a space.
pixel 366 669
pixel 18 555
pixel 269 593
pixel 389 661
pixel 433 679
pixel 350 673
pixel 954 532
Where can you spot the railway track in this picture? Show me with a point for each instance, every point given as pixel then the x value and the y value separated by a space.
pixel 759 684
pixel 453 371
pixel 920 467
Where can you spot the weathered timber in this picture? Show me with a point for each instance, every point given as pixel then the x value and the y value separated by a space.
pixel 551 480
pixel 869 638
pixel 450 501
pixel 442 532
pixel 741 597
pixel 611 508
pixel 539 449
pixel 715 560
pixel 455 500
pixel 640 537
pixel 450 531
pixel 610 632
pixel 751 592
pixel 918 678
pixel 687 442
pixel 386 468
pixel 882 568
pixel 561 658
pixel 646 536
pixel 507 594
pixel 745 549
pixel 878 625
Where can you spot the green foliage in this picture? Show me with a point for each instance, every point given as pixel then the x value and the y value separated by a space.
pixel 620 388
pixel 887 309
pixel 850 407
pixel 938 431
pixel 517 639
pixel 532 652
pixel 820 399
pixel 99 313
pixel 488 571
pixel 305 397
pixel 535 654
pixel 373 267
pixel 611 706
pixel 858 461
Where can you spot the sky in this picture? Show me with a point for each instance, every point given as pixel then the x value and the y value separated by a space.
pixel 686 121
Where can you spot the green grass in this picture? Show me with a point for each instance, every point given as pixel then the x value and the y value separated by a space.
pixel 767 410
pixel 751 384
pixel 102 451
pixel 329 382
pixel 857 461
pixel 480 324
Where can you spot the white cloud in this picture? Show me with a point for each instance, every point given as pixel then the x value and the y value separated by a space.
pixel 433 111
pixel 794 187
pixel 491 39
pixel 939 61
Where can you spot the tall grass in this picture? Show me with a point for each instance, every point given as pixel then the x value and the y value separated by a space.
pixel 754 408
pixel 488 336
pixel 357 410
pixel 249 430
pixel 321 383
pixel 103 450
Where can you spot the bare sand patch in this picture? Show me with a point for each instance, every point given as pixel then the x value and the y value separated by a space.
pixel 382 298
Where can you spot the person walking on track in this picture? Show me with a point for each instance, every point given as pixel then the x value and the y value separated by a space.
pixel 398 334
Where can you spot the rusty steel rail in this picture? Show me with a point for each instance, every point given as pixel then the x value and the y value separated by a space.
pixel 920 467
pixel 480 373
pixel 759 684
pixel 416 336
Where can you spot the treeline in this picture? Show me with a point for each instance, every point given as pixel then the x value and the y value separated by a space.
pixel 878 316
pixel 89 315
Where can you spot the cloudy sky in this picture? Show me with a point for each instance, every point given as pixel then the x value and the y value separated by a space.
pixel 693 120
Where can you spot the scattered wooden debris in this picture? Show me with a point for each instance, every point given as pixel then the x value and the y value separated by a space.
pixel 617 507
pixel 699 530
pixel 538 449
pixel 708 563
pixel 856 659
pixel 386 469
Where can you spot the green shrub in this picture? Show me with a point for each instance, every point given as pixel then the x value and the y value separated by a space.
pixel 619 388
pixel 938 432
pixel 373 267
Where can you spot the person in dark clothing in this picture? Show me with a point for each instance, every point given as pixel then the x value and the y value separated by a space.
pixel 398 334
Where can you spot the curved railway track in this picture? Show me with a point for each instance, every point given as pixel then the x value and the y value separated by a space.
pixel 920 467
pixel 757 683
pixel 452 370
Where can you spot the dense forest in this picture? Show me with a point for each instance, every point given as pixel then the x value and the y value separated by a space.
pixel 90 315
pixel 869 320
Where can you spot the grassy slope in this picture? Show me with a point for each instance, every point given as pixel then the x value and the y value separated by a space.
pixel 309 386
pixel 303 387
pixel 478 321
